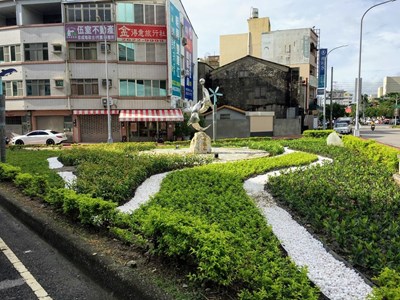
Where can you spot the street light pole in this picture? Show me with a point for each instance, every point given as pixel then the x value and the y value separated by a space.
pixel 109 135
pixel 357 125
pixel 326 78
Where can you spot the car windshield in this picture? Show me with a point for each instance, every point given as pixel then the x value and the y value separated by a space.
pixel 341 125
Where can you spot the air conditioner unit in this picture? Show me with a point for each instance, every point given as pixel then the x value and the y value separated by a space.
pixel 179 103
pixel 104 83
pixel 57 48
pixel 104 101
pixel 184 41
pixel 59 83
pixel 102 47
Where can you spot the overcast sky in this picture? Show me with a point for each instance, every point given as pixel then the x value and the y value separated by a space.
pixel 339 24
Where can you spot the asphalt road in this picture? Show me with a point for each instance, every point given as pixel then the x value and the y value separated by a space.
pixel 32 269
pixel 384 134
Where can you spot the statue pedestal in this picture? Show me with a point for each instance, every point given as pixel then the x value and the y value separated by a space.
pixel 201 143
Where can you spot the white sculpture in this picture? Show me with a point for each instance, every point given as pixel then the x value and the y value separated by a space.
pixel 200 107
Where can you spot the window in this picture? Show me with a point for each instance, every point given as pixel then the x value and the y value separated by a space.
pixel 141 13
pixel 126 51
pixel 57 48
pixel 160 15
pixel 142 88
pixel 38 87
pixel 36 52
pixel 225 116
pixel 14 88
pixel 143 52
pixel 10 53
pixel 150 18
pixel 82 51
pixel 150 52
pixel 89 12
pixel 17 120
pixel 84 87
pixel 59 83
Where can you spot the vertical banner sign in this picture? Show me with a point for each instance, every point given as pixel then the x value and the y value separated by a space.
pixel 322 68
pixel 188 34
pixel 175 51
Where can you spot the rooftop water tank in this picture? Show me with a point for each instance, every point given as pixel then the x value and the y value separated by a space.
pixel 254 12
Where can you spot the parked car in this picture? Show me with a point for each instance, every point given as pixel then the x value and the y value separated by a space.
pixel 395 121
pixel 39 137
pixel 343 128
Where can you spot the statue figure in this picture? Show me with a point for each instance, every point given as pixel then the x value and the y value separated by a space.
pixel 200 107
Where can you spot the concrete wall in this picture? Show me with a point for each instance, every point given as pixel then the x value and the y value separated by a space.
pixel 287 127
pixel 229 129
pixel 232 47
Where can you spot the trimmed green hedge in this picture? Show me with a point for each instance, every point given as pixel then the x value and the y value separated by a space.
pixel 317 133
pixel 203 216
pixel 377 152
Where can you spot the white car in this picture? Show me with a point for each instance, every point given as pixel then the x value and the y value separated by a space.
pixel 39 137
pixel 343 127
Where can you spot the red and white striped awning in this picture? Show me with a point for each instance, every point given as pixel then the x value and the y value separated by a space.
pixel 143 115
pixel 95 111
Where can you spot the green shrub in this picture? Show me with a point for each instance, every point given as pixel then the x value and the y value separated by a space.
pixel 377 152
pixel 32 185
pixel 8 172
pixel 388 286
pixel 317 133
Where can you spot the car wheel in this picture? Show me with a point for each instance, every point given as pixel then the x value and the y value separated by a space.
pixel 50 142
pixel 19 142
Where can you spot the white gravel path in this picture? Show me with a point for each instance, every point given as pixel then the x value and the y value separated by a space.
pixel 333 277
pixel 144 192
pixel 67 176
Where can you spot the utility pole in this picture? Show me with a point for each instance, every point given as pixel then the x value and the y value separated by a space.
pixel 4 72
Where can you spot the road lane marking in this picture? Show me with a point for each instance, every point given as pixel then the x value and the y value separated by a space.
pixel 25 274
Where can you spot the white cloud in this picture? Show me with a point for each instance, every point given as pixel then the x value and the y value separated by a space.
pixel 339 24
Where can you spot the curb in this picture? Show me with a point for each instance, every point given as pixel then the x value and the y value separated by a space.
pixel 121 280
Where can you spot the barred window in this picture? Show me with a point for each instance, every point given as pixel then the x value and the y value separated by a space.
pixel 160 15
pixel 36 52
pixel 14 88
pixel 139 14
pixel 82 51
pixel 89 12
pixel 84 87
pixel 39 87
pixel 10 53
pixel 150 18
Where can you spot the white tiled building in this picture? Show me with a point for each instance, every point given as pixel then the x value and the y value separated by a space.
pixel 63 57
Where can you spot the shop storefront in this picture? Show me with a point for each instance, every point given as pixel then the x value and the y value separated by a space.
pixel 149 124
pixel 91 125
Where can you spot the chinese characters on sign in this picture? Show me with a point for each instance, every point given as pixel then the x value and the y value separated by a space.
pixel 142 33
pixel 89 32
pixel 322 68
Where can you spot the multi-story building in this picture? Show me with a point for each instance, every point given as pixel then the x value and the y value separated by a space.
pixel 391 84
pixel 235 46
pixel 97 68
pixel 340 97
pixel 296 48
